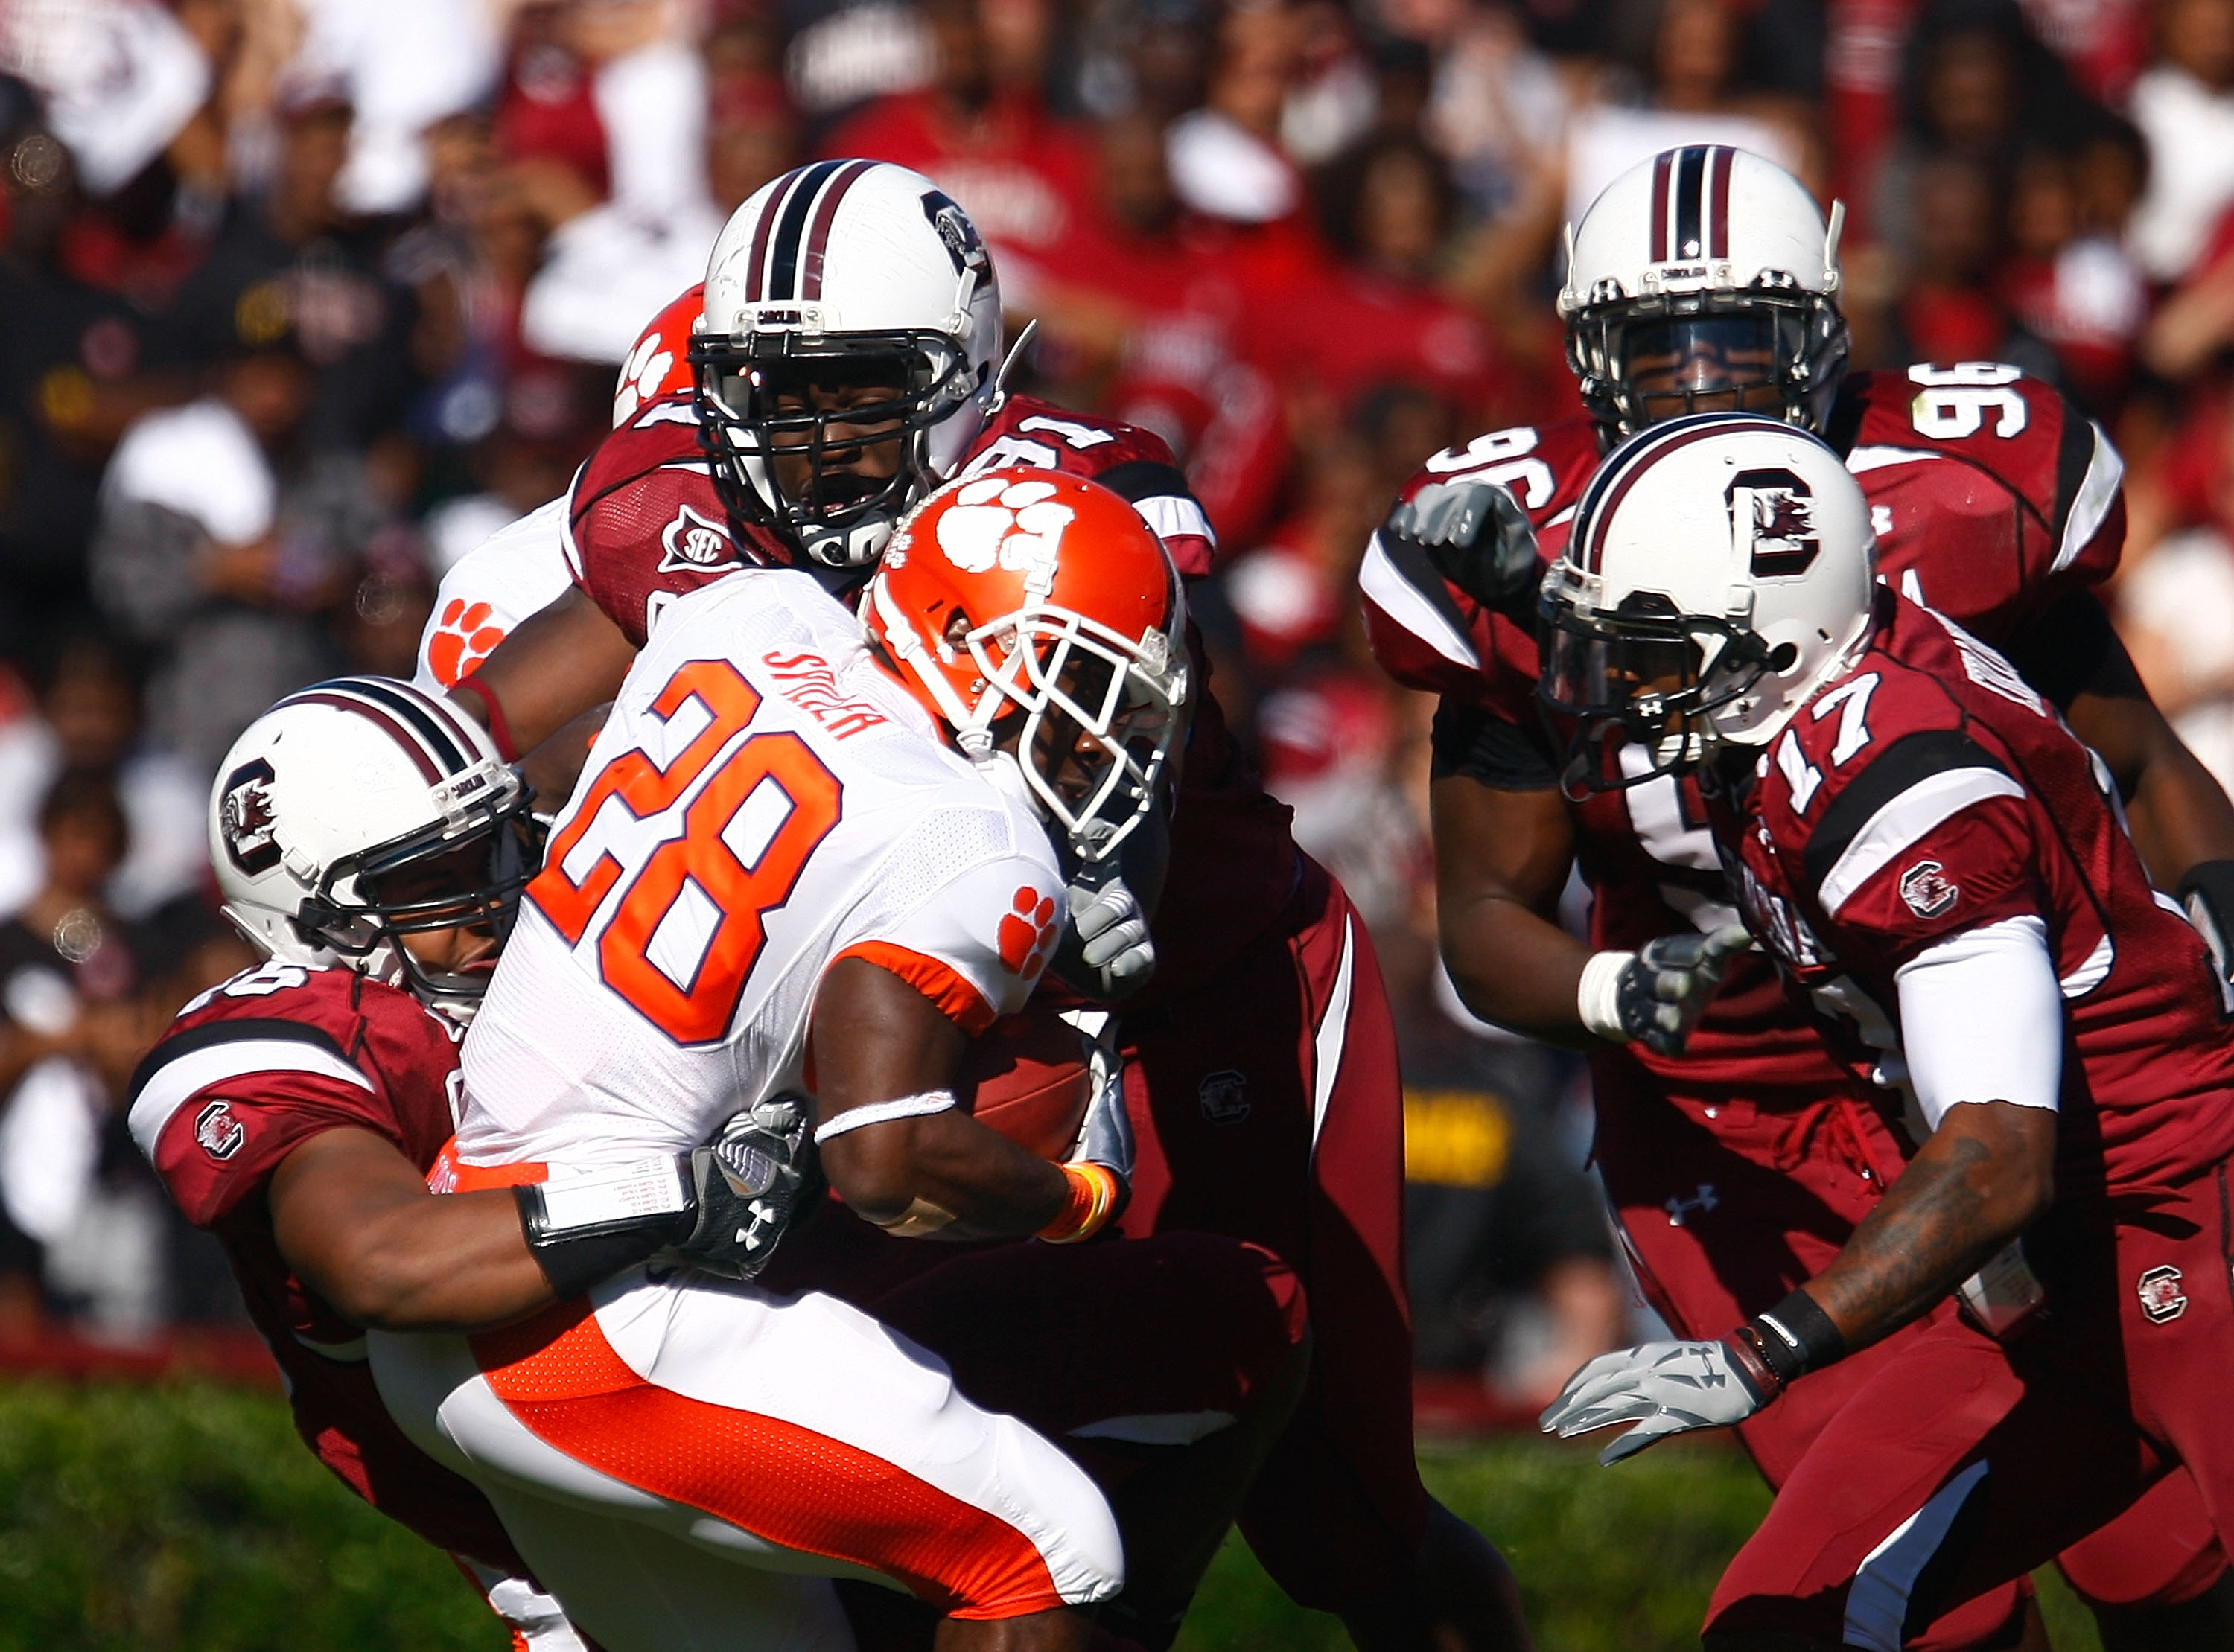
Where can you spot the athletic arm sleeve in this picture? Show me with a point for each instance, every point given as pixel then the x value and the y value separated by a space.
pixel 1982 1019
pixel 1477 742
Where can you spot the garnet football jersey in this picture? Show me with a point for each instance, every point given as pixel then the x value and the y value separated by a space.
pixel 1990 495
pixel 1928 791
pixel 249 1072
pixel 765 801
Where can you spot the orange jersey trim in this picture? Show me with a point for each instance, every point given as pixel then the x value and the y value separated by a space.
pixel 557 1373
pixel 450 1175
pixel 940 982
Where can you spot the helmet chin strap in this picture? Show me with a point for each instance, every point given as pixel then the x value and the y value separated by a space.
pixel 999 393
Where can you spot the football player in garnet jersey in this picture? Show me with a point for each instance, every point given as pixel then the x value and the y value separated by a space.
pixel 366 839
pixel 1707 279
pixel 1925 850
pixel 1265 997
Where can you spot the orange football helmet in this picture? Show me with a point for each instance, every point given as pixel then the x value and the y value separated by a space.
pixel 659 366
pixel 1037 616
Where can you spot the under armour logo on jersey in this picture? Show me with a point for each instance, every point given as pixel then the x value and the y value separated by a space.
pixel 1028 933
pixel 694 543
pixel 1928 890
pixel 1773 511
pixel 245 818
pixel 462 640
pixel 1679 1209
pixel 219 1133
pixel 2161 1297
pixel 1014 524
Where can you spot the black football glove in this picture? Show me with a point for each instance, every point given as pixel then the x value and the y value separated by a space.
pixel 1476 536
pixel 1657 995
pixel 757 1177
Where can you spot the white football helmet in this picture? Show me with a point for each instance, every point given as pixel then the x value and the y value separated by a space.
pixel 1697 277
pixel 1720 568
pixel 327 798
pixel 845 275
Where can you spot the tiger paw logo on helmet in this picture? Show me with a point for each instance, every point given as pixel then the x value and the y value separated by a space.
pixel 1014 524
pixel 643 376
pixel 465 637
pixel 1029 932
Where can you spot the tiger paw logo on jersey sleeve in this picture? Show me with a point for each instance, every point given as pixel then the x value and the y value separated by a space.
pixel 1014 524
pixel 1029 932
pixel 465 634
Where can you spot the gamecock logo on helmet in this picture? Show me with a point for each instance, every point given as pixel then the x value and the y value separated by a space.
pixel 245 818
pixel 1776 510
pixel 964 245
pixel 694 543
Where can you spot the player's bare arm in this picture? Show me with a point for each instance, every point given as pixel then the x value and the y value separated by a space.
pixel 1501 860
pixel 557 663
pixel 1984 1176
pixel 2179 816
pixel 877 1039
pixel 354 1220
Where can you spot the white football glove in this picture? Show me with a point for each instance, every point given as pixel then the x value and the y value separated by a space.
pixel 1663 1388
pixel 1113 933
pixel 1656 995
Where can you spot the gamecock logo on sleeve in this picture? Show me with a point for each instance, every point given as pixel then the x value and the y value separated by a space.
pixel 1928 890
pixel 2161 1297
pixel 219 1133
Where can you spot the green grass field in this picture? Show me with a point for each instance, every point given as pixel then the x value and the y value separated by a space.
pixel 188 1518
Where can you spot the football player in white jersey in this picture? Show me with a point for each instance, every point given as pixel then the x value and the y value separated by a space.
pixel 796 864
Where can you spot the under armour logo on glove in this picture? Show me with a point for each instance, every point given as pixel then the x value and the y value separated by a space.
pixel 1014 524
pixel 1663 1388
pixel 1029 932
pixel 465 637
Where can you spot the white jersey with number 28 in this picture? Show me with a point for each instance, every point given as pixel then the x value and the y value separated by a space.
pixel 765 801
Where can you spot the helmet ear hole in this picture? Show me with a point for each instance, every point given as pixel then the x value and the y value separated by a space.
pixel 1784 657
pixel 958 628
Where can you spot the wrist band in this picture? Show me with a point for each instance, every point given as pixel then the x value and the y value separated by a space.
pixel 1597 998
pixel 591 1227
pixel 906 1106
pixel 1093 1201
pixel 1797 1336
pixel 493 715
pixel 1753 1367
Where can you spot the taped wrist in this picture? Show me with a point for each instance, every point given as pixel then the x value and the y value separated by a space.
pixel 1597 1000
pixel 1094 1199
pixel 2207 893
pixel 589 1228
pixel 1796 1336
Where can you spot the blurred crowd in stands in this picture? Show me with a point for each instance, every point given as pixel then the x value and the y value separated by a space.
pixel 301 299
